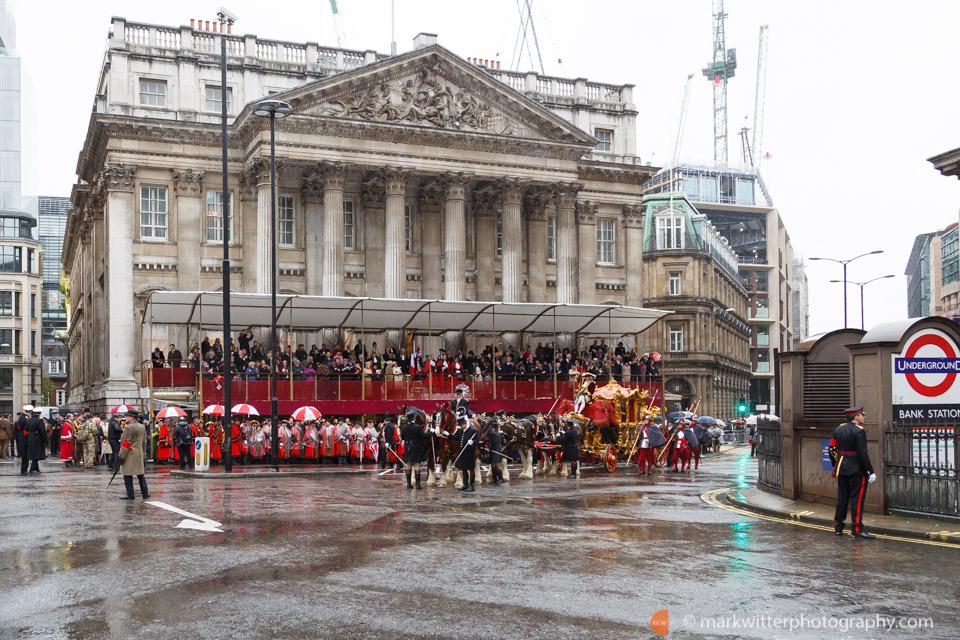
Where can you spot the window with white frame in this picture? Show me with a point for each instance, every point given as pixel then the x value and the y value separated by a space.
pixel 551 237
pixel 407 228
pixel 6 303
pixel 670 231
pixel 676 283
pixel 676 338
pixel 606 240
pixel 153 93
pixel 215 216
pixel 53 366
pixel 604 139
pixel 212 99
pixel 499 235
pixel 153 213
pixel 61 397
pixel 285 216
pixel 349 226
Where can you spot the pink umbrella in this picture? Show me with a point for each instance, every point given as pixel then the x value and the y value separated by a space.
pixel 123 408
pixel 213 410
pixel 306 413
pixel 171 412
pixel 244 410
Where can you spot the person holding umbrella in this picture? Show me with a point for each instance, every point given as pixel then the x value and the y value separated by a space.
pixel 133 443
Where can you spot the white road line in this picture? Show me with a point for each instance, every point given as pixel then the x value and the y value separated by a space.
pixel 196 522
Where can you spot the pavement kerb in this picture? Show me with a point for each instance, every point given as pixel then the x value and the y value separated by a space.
pixel 265 475
pixel 952 537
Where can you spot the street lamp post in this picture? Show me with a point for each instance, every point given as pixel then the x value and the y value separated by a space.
pixel 845 263
pixel 273 109
pixel 225 18
pixel 862 285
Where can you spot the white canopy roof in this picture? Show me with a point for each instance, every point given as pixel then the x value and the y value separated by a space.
pixel 312 313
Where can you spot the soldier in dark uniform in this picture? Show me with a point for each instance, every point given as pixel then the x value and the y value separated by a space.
pixel 414 454
pixel 491 433
pixel 34 443
pixel 852 467
pixel 467 460
pixel 390 441
pixel 460 405
pixel 570 439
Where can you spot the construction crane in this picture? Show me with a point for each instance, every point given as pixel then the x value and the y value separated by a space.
pixel 721 69
pixel 759 97
pixel 527 28
pixel 337 24
pixel 683 120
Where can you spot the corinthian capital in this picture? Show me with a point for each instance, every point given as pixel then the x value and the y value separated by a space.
pixel 311 189
pixel 511 191
pixel 186 182
pixel 394 180
pixel 455 185
pixel 586 212
pixel 633 216
pixel 119 177
pixel 334 175
pixel 565 194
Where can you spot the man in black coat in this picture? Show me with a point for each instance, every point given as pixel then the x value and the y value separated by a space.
pixel 183 439
pixel 35 444
pixel 854 472
pixel 390 441
pixel 114 431
pixel 18 429
pixel 491 433
pixel 414 454
pixel 570 439
pixel 467 458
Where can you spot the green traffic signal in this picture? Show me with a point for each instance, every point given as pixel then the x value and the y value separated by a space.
pixel 742 406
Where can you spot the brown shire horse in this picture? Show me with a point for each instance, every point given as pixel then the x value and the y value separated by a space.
pixel 519 434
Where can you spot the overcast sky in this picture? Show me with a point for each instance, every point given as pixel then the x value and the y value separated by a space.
pixel 859 94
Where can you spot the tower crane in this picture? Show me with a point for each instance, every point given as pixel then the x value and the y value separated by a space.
pixel 759 97
pixel 337 24
pixel 722 68
pixel 683 120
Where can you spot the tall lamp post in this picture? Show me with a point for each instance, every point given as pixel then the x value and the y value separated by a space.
pixel 862 285
pixel 845 263
pixel 226 19
pixel 273 109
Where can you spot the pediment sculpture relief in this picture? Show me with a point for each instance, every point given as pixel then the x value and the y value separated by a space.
pixel 425 98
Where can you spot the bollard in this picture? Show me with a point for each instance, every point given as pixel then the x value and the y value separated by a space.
pixel 201 454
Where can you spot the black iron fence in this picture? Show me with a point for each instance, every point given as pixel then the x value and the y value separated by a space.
pixel 921 462
pixel 768 455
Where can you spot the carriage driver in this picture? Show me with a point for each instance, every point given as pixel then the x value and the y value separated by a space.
pixel 588 383
pixel 460 405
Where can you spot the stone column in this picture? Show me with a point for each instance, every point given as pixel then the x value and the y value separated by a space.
pixel 188 185
pixel 511 274
pixel 119 343
pixel 395 249
pixel 454 238
pixel 372 198
pixel 633 253
pixel 262 167
pixel 536 212
pixel 334 177
pixel 587 231
pixel 248 212
pixel 311 193
pixel 486 217
pixel 431 198
pixel 566 199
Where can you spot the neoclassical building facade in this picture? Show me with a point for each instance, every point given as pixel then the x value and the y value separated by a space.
pixel 420 175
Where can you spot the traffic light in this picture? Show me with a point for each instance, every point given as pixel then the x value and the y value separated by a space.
pixel 742 406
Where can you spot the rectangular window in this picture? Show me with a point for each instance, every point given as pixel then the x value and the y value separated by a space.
pixel 727 188
pixel 53 366
pixel 215 216
pixel 33 381
pixel 285 209
pixel 6 378
pixel 29 260
pixel 407 228
pixel 499 235
pixel 6 304
pixel 153 93
pixel 763 307
pixel 604 139
pixel 17 347
pixel 33 306
pixel 212 102
pixel 676 338
pixel 708 189
pixel 10 260
pixel 33 343
pixel 745 191
pixel 763 336
pixel 691 187
pixel 676 287
pixel 669 232
pixel 61 397
pixel 551 237
pixel 153 213
pixel 349 226
pixel 606 241
pixel 6 341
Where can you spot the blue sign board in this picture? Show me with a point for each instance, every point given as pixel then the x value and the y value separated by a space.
pixel 825 455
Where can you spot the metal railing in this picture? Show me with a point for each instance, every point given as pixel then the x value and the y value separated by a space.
pixel 921 461
pixel 768 455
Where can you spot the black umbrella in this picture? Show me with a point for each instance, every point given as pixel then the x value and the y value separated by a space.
pixel 702 433
pixel 676 415
pixel 706 421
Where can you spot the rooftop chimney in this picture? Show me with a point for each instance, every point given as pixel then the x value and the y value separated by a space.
pixel 424 40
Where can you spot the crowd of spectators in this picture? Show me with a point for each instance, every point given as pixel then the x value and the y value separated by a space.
pixel 251 360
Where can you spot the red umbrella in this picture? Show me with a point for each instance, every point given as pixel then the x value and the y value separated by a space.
pixel 306 413
pixel 123 408
pixel 244 410
pixel 213 410
pixel 171 412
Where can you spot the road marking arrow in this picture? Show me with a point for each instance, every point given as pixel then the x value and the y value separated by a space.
pixel 196 522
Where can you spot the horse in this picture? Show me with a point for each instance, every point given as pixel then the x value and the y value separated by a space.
pixel 419 417
pixel 445 420
pixel 519 434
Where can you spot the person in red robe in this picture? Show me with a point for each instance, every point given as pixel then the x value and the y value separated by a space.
pixel 236 444
pixel 216 442
pixel 165 448
pixel 311 443
pixel 66 443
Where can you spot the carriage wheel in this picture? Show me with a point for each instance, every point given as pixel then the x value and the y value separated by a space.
pixel 660 456
pixel 610 458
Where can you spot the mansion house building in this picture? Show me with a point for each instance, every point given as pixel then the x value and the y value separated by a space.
pixel 419 175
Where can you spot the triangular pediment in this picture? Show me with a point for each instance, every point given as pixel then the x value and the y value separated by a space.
pixel 435 89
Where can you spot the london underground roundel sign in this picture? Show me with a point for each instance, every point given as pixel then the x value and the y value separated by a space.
pixel 925 373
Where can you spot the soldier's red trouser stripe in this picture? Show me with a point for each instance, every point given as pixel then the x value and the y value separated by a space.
pixel 859 506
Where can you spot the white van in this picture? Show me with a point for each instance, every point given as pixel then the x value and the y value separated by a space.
pixel 49 413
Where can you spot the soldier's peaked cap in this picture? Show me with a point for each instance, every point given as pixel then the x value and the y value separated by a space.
pixel 852 411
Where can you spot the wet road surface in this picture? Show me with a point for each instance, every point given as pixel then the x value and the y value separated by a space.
pixel 358 556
